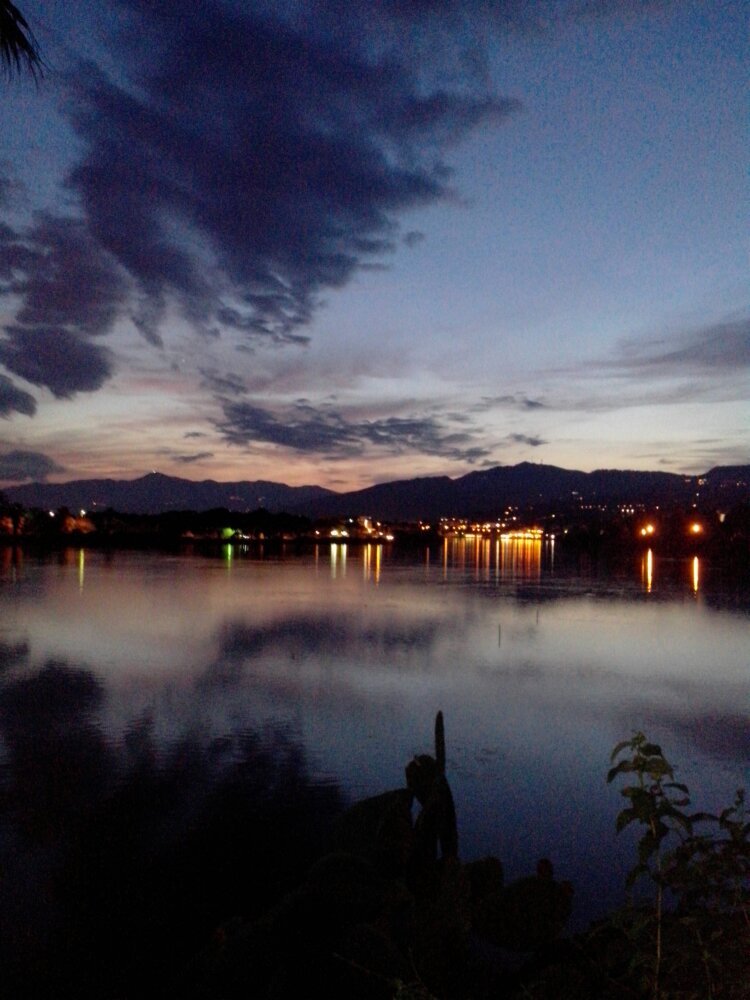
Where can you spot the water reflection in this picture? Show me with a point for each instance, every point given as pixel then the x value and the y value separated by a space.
pixel 650 566
pixel 647 571
pixel 338 559
pixel 539 670
pixel 11 561
pixel 121 857
pixel 371 562
pixel 502 557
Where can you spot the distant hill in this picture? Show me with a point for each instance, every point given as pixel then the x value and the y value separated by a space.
pixel 543 487
pixel 486 493
pixel 155 493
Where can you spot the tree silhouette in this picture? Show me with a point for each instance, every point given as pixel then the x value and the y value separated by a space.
pixel 17 45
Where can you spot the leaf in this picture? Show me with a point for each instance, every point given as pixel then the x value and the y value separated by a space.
pixel 643 803
pixel 681 819
pixel 657 767
pixel 651 750
pixel 621 768
pixel 703 817
pixel 619 748
pixel 624 818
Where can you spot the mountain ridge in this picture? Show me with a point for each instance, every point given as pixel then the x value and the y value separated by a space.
pixel 488 492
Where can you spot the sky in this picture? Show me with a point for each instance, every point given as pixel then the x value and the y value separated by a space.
pixel 353 241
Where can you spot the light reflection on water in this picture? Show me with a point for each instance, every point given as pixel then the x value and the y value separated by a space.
pixel 539 671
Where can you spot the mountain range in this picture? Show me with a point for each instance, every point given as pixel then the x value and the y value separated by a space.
pixel 485 493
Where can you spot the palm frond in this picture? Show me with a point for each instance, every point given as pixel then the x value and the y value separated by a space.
pixel 17 45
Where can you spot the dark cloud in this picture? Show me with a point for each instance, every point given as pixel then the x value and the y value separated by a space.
pixel 514 401
pixel 13 399
pixel 62 276
pixel 194 434
pixel 228 384
pixel 268 320
pixel 16 466
pixel 250 157
pixel 531 440
pixel 69 291
pixel 413 237
pixel 325 431
pixel 197 457
pixel 61 361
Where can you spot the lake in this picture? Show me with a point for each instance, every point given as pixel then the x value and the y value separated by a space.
pixel 342 655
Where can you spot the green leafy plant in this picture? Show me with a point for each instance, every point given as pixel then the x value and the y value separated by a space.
pixel 704 875
pixel 656 802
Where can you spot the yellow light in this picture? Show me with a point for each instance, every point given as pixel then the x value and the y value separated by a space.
pixel 648 571
pixel 696 528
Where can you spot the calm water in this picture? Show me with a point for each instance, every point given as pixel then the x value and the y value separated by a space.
pixel 348 652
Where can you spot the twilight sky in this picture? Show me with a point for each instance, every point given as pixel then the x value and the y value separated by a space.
pixel 349 241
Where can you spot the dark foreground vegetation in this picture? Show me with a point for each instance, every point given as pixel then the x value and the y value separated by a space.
pixel 217 869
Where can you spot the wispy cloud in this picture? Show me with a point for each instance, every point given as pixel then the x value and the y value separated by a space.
pixel 711 350
pixel 708 363
pixel 513 401
pixel 198 456
pixel 227 384
pixel 530 439
pixel 697 456
pixel 326 431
